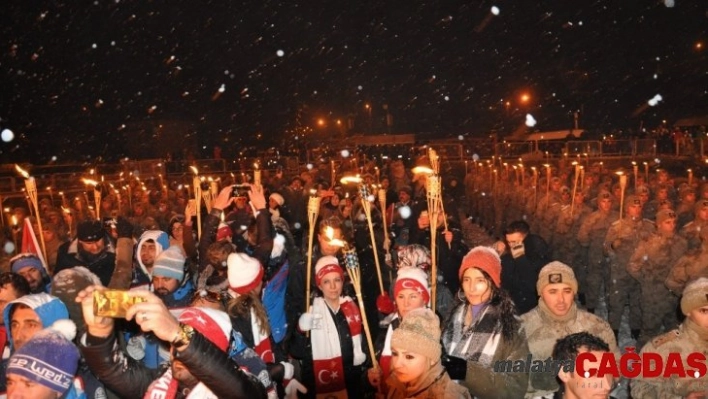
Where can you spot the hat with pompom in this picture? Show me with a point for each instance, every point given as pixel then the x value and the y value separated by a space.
pixel 49 358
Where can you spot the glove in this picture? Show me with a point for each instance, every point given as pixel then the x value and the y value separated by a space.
pixel 309 321
pixel 359 357
pixel 288 370
pixel 292 388
pixel 124 228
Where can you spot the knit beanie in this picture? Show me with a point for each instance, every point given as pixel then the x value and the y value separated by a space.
pixel 485 259
pixel 224 232
pixel 412 278
pixel 419 332
pixel 170 263
pixel 695 295
pixel 556 273
pixel 49 358
pixel 244 272
pixel 90 231
pixel 21 261
pixel 213 324
pixel 324 265
pixel 278 198
pixel 664 214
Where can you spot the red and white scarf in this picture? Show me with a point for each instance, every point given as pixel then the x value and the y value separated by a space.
pixel 261 342
pixel 327 350
pixel 166 387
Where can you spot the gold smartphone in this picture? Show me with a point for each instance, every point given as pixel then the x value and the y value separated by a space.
pixel 113 303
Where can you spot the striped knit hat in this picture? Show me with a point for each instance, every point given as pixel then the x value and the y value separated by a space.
pixel 170 263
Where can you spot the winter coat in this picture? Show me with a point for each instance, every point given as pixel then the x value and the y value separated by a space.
pixel 130 379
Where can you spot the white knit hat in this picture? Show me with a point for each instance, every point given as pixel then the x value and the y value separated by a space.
pixel 244 272
pixel 327 264
pixel 412 278
pixel 278 198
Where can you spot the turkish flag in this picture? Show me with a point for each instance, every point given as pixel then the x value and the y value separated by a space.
pixel 329 377
pixel 30 245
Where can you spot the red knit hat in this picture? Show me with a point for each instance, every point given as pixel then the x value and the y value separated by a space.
pixel 244 272
pixel 485 259
pixel 325 265
pixel 412 278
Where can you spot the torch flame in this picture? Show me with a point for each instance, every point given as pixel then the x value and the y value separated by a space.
pixel 22 171
pixel 422 170
pixel 195 170
pixel 89 181
pixel 350 179
pixel 329 232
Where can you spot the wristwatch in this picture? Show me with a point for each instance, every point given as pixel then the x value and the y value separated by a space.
pixel 184 335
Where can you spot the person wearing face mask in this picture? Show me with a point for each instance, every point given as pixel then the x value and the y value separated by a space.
pixel 650 265
pixel 555 317
pixel 523 257
pixel 483 330
pixel 690 337
pixel 416 368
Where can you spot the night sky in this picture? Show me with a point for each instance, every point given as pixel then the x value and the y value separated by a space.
pixel 81 79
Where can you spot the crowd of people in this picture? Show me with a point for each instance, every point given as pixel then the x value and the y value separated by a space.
pixel 257 294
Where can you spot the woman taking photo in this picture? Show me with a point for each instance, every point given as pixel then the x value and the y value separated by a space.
pixel 333 366
pixel 483 329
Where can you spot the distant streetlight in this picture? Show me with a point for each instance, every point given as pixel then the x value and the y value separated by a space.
pixel 525 98
pixel 320 122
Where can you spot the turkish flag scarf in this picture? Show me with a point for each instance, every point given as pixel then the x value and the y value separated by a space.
pixel 327 350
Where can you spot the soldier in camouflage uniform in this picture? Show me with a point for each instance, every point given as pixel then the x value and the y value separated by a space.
pixel 690 337
pixel 550 217
pixel 692 231
pixel 555 317
pixel 650 265
pixel 567 248
pixel 685 209
pixel 652 207
pixel 692 265
pixel 622 239
pixel 544 206
pixel 591 237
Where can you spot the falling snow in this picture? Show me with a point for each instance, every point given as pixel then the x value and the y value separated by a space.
pixel 72 73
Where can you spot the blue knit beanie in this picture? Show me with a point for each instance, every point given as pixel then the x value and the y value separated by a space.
pixel 49 358
pixel 21 261
pixel 170 263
